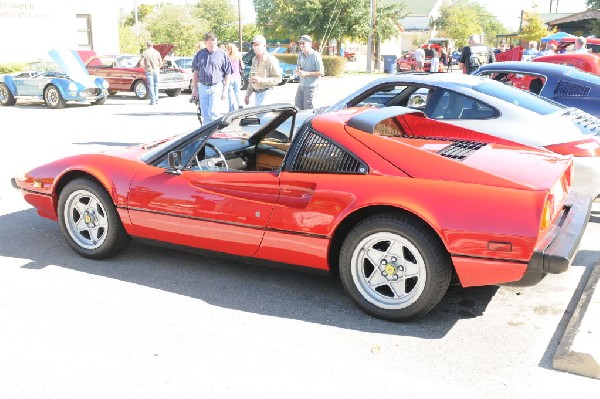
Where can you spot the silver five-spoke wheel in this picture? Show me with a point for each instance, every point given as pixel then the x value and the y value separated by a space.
pixel 85 219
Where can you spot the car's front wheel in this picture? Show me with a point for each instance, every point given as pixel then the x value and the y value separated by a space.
pixel 53 98
pixel 100 101
pixel 393 267
pixel 89 220
pixel 6 97
pixel 140 88
pixel 173 92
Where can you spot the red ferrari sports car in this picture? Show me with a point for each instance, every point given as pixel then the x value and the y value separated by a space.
pixel 396 203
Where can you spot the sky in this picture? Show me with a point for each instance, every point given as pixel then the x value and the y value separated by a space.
pixel 507 11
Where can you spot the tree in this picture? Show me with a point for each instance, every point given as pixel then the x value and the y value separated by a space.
pixel 593 4
pixel 534 28
pixel 221 20
pixel 326 19
pixel 464 18
pixel 175 24
pixel 143 10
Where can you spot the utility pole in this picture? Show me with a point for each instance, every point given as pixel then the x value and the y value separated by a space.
pixel 135 16
pixel 240 23
pixel 370 40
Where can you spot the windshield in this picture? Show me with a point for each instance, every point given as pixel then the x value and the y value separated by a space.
pixel 521 98
pixel 184 63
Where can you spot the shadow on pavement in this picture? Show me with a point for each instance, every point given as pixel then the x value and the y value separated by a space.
pixel 262 290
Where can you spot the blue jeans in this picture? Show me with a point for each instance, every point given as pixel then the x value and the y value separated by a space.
pixel 152 78
pixel 262 97
pixel 234 94
pixel 209 97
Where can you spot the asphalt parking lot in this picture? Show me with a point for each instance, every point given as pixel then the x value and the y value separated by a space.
pixel 155 323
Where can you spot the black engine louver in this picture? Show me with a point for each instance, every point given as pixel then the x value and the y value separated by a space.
pixel 461 149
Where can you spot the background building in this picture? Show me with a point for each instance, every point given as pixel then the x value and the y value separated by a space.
pixel 32 27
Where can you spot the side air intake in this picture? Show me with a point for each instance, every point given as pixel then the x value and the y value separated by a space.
pixel 319 154
pixel 461 149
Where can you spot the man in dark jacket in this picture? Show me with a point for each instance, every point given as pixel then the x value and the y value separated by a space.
pixel 475 55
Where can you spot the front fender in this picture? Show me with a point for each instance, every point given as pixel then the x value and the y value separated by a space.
pixel 63 87
pixel 8 81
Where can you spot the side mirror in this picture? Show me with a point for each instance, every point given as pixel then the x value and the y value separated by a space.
pixel 174 162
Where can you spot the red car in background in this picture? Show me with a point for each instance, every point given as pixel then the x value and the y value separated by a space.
pixel 407 62
pixel 123 72
pixel 584 62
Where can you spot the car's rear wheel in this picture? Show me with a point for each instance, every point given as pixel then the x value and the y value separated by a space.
pixel 6 97
pixel 89 220
pixel 394 267
pixel 173 92
pixel 53 98
pixel 140 88
pixel 100 101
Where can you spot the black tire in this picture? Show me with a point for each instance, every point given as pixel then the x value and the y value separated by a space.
pixel 140 88
pixel 6 97
pixel 97 233
pixel 173 92
pixel 100 101
pixel 53 98
pixel 406 273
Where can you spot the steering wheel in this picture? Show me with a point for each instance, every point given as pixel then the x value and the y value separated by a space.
pixel 213 163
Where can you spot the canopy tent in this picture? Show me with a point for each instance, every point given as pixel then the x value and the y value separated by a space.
pixel 556 36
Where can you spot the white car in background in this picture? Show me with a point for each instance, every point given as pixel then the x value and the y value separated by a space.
pixel 494 112
pixel 185 64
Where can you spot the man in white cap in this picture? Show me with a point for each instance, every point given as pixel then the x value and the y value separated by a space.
pixel 265 72
pixel 309 69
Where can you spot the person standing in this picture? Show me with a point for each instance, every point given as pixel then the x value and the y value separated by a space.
pixel 420 59
pixel 530 52
pixel 579 46
pixel 151 62
pixel 310 69
pixel 211 73
pixel 475 55
pixel 235 82
pixel 435 60
pixel 265 72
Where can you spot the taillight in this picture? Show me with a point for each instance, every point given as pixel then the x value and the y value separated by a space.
pixel 585 148
pixel 547 212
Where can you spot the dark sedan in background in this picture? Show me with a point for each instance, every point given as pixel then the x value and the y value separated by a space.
pixel 561 83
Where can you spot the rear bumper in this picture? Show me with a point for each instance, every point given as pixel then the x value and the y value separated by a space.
pixel 555 253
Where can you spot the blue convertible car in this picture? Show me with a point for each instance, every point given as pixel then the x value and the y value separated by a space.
pixel 67 80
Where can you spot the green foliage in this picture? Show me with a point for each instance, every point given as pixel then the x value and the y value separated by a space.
pixel 534 28
pixel 464 18
pixel 334 65
pixel 175 24
pixel 593 4
pixel 10 68
pixel 143 11
pixel 221 18
pixel 326 19
pixel 594 28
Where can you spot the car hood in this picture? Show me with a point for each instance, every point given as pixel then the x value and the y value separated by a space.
pixel 70 62
pixel 164 49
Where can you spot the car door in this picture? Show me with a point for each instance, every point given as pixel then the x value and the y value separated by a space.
pixel 205 204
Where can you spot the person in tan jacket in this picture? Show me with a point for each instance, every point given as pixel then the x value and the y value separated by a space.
pixel 265 72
